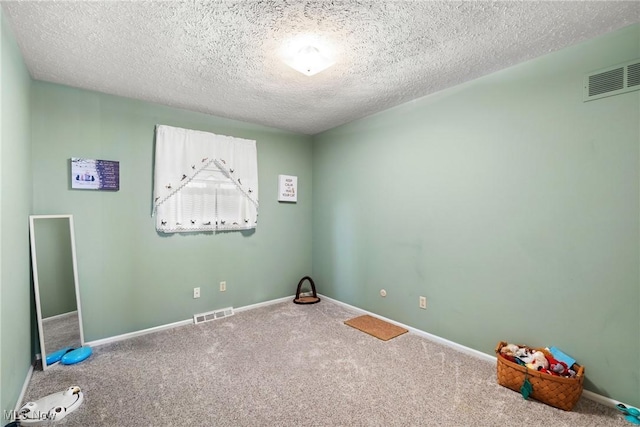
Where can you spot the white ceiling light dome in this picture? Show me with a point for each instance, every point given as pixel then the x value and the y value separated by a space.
pixel 308 54
pixel 309 61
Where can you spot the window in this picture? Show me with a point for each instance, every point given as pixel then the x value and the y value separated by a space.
pixel 204 181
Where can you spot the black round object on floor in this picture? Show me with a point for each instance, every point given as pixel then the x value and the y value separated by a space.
pixel 309 299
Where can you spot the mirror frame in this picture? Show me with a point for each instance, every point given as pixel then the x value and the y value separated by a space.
pixel 36 283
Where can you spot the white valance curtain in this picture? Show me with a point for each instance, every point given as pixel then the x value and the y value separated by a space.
pixel 204 181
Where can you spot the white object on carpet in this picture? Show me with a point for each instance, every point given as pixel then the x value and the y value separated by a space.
pixel 53 407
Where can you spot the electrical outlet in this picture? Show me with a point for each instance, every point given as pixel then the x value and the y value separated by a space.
pixel 196 292
pixel 423 302
pixel 223 286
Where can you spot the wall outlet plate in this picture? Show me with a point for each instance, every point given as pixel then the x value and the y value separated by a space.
pixel 223 286
pixel 423 302
pixel 196 292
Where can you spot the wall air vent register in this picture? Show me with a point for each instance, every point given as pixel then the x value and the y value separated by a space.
pixel 611 81
pixel 213 315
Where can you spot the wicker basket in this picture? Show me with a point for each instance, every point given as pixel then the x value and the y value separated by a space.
pixel 560 392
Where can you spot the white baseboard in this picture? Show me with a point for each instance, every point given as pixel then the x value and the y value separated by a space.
pixel 264 304
pixel 604 400
pixel 129 335
pixel 59 316
pixel 27 380
pixel 467 350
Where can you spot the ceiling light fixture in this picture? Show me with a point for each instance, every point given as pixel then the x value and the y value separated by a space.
pixel 309 61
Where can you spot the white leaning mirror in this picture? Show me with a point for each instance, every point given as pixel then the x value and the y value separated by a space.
pixel 55 280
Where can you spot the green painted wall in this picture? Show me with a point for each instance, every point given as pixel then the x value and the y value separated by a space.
pixel 15 206
pixel 131 277
pixel 55 266
pixel 508 202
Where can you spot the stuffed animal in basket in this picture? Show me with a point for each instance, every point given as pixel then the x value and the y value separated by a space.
pixel 533 359
pixel 509 350
pixel 558 367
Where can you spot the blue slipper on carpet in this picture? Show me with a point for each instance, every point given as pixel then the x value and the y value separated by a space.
pixel 632 419
pixel 628 410
pixel 631 414
pixel 57 355
pixel 76 356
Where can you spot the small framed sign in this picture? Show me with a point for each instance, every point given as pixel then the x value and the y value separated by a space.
pixel 287 188
pixel 91 174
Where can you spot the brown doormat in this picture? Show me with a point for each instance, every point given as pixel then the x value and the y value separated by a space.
pixel 376 327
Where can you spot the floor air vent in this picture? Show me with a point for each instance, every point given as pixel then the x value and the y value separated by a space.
pixel 615 80
pixel 212 315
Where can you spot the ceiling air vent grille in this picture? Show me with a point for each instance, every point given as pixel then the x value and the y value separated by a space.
pixel 612 81
pixel 212 315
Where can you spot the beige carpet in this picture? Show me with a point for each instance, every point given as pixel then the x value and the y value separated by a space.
pixel 295 365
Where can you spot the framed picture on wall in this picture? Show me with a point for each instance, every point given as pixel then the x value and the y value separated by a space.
pixel 92 174
pixel 287 188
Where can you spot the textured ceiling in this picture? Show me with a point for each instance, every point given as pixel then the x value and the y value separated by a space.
pixel 225 57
